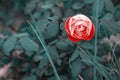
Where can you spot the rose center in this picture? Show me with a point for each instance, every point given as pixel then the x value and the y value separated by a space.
pixel 80 28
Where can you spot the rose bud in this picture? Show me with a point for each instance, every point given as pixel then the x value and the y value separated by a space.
pixel 79 27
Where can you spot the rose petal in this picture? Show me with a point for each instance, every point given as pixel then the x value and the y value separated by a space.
pixel 80 23
pixel 82 17
pixel 71 27
pixel 89 26
pixel 67 25
pixel 73 39
pixel 91 35
pixel 77 34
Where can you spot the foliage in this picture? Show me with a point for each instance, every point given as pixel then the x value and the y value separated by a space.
pixel 72 61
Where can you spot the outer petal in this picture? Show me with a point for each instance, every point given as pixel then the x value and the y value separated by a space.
pixel 81 17
pixel 73 39
pixel 67 25
pixel 91 35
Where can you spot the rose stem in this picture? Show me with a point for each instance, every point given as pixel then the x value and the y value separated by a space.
pixel 95 44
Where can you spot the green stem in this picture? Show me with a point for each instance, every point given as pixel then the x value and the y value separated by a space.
pixel 44 46
pixel 95 49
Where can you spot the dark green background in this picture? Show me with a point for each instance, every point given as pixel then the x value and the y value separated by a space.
pixel 20 47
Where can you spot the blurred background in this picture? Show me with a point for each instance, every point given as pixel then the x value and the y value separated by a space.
pixel 22 57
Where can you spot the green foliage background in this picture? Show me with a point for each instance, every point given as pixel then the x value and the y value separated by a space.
pixel 73 61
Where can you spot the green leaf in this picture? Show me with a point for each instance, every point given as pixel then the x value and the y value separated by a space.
pixel 100 7
pixel 37 58
pixel 108 16
pixel 63 77
pixel 30 7
pixel 28 67
pixel 56 11
pixel 18 35
pixel 117 12
pixel 18 46
pixel 5 60
pixel 109 6
pixel 88 1
pixel 105 31
pixel 74 55
pixel 85 58
pixel 43 61
pixel 59 62
pixel 76 67
pixel 62 46
pixel 77 5
pixel 87 45
pixel 52 30
pixel 9 45
pixel 29 53
pixel 47 6
pixel 31 77
pixel 115 27
pixel 53 18
pixel 28 44
pixel 36 15
pixel 52 78
pixel 1 42
pixel 41 25
pixel 53 52
pixel 88 73
pixel 62 26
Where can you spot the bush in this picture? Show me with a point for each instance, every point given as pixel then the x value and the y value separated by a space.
pixel 73 61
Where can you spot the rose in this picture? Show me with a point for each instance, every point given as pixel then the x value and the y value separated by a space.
pixel 79 27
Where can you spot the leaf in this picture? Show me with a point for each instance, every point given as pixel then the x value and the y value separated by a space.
pixel 52 78
pixel 74 55
pixel 41 24
pixel 108 16
pixel 88 1
pixel 56 11
pixel 76 67
pixel 87 45
pixel 30 7
pixel 59 62
pixel 62 26
pixel 53 18
pixel 28 67
pixel 43 61
pixel 9 45
pixel 18 46
pixel 62 45
pixel 105 31
pixel 109 6
pixel 100 7
pixel 88 74
pixel 52 30
pixel 47 6
pixel 53 52
pixel 117 12
pixel 36 15
pixel 37 58
pixel 85 58
pixel 115 26
pixel 18 35
pixel 1 42
pixel 77 5
pixel 112 27
pixel 31 77
pixel 28 44
pixel 29 53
